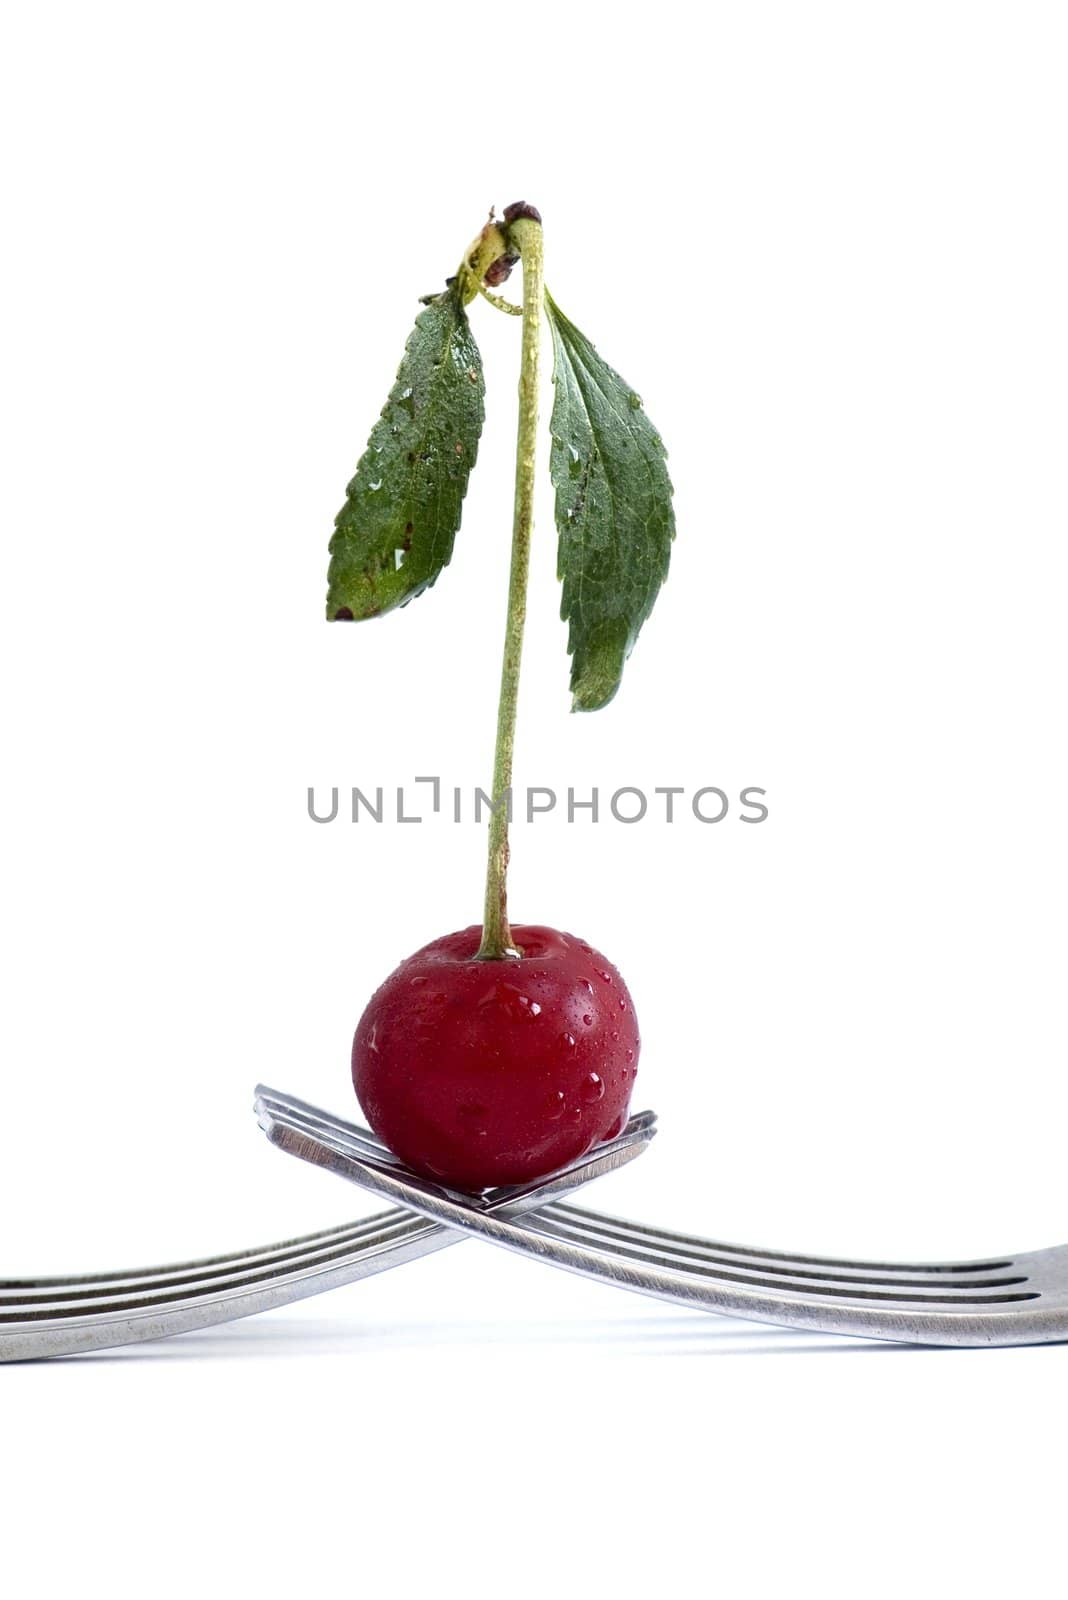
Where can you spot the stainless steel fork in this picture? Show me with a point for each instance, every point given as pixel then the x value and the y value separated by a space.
pixel 42 1317
pixel 1010 1299
pixel 1002 1300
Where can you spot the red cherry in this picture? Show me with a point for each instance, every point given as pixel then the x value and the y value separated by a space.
pixel 494 1072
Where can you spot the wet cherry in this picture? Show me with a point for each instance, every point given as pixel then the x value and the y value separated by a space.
pixel 493 1072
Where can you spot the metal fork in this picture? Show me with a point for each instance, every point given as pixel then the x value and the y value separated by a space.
pixel 42 1317
pixel 1003 1300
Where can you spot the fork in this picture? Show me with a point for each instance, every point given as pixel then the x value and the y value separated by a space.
pixel 42 1317
pixel 1000 1300
pixel 1004 1300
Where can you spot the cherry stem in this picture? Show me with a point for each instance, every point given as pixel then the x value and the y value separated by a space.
pixel 525 237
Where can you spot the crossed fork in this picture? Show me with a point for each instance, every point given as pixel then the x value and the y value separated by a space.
pixel 1020 1299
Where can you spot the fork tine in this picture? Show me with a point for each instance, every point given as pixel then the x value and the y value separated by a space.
pixel 156 1292
pixel 45 1332
pixel 320 1137
pixel 779 1275
pixel 273 1101
pixel 668 1238
pixel 63 1287
pixel 648 1244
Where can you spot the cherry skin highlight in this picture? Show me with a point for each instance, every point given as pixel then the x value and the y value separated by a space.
pixel 496 1072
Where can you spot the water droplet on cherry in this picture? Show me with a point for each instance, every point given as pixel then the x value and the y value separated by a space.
pixel 592 1088
pixel 511 1001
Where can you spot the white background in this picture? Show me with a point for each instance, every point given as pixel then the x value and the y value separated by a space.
pixel 828 245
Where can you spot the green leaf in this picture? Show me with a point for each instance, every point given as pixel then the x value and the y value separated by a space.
pixel 613 511
pixel 395 531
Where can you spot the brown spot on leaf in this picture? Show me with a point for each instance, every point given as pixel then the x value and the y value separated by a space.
pixel 459 448
pixel 343 614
